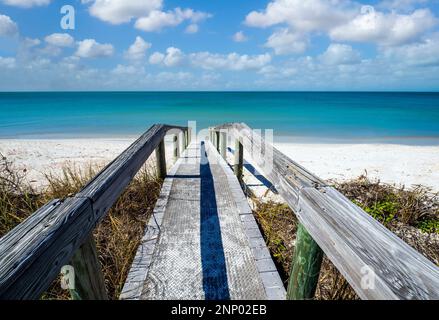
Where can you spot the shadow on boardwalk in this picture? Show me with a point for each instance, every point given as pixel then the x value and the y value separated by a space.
pixel 215 284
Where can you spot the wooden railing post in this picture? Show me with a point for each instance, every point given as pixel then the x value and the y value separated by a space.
pixel 189 136
pixel 217 140
pixel 305 270
pixel 223 145
pixel 89 280
pixel 176 147
pixel 183 141
pixel 160 155
pixel 212 136
pixel 239 159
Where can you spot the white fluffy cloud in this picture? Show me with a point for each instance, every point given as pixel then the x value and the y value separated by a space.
pixel 7 63
pixel 7 26
pixel 121 11
pixel 89 48
pixel 156 58
pixel 340 54
pixel 342 20
pixel 232 61
pixel 137 51
pixel 284 41
pixel 403 5
pixel 60 40
pixel 302 15
pixel 210 61
pixel 385 29
pixel 26 3
pixel 192 28
pixel 157 20
pixel 239 37
pixel 174 57
pixel 149 14
pixel 127 70
pixel 425 53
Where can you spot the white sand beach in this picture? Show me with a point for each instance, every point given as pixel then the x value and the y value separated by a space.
pixel 395 164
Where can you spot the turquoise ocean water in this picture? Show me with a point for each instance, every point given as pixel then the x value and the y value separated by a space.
pixel 411 118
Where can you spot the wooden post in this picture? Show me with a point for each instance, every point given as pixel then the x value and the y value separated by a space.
pixel 239 159
pixel 217 140
pixel 176 147
pixel 307 260
pixel 212 136
pixel 189 134
pixel 89 280
pixel 223 144
pixel 160 155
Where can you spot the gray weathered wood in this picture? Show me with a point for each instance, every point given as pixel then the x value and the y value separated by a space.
pixel 183 256
pixel 160 155
pixel 217 141
pixel 238 159
pixel 89 280
pixel 223 144
pixel 176 147
pixel 186 138
pixel 32 254
pixel 356 243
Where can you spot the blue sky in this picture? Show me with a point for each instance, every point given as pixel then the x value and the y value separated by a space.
pixel 220 45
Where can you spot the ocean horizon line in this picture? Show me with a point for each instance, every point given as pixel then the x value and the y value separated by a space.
pixel 221 91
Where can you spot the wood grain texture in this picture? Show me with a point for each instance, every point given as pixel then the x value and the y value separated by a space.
pixel 238 159
pixel 305 270
pixel 32 254
pixel 354 241
pixel 89 280
pixel 160 155
pixel 223 144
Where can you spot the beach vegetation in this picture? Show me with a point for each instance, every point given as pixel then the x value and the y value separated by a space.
pixel 412 214
pixel 117 237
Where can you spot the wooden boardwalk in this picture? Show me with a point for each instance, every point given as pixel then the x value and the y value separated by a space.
pixel 202 241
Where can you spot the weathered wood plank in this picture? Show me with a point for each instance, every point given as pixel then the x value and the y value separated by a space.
pixel 89 280
pixel 106 187
pixel 358 245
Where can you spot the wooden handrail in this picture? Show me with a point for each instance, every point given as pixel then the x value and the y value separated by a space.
pixel 356 243
pixel 32 254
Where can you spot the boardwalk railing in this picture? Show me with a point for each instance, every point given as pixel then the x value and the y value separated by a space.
pixel 376 263
pixel 32 254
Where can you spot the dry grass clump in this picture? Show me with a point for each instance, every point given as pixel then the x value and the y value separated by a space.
pixel 17 199
pixel 403 211
pixel 117 236
pixel 388 204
